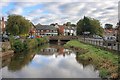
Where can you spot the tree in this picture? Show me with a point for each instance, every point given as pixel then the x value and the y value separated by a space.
pixel 89 25
pixel 17 25
pixel 108 26
pixel 15 30
pixel 69 24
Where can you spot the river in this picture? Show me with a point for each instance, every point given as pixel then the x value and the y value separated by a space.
pixel 49 61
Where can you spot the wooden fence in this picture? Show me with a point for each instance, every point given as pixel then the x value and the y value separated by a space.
pixel 115 46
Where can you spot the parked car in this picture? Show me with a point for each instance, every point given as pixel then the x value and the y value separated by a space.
pixel 16 37
pixel 109 40
pixel 31 37
pixel 97 37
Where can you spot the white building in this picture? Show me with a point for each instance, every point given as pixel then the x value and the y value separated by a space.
pixel 69 31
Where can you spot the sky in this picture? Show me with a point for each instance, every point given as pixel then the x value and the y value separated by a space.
pixel 61 11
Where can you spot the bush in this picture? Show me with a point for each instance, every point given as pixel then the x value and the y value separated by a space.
pixel 30 43
pixel 18 46
pixel 42 40
pixel 12 40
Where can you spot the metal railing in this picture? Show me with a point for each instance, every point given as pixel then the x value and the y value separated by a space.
pixel 101 43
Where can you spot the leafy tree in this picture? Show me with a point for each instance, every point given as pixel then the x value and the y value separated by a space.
pixel 69 24
pixel 18 25
pixel 108 26
pixel 73 25
pixel 89 25
pixel 15 30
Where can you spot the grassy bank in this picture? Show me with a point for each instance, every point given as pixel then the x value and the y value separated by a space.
pixel 106 62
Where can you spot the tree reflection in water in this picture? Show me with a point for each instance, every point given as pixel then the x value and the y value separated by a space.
pixel 46 59
pixel 18 61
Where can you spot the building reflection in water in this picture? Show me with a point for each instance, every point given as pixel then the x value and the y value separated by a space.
pixel 55 50
pixel 18 61
pixel 53 59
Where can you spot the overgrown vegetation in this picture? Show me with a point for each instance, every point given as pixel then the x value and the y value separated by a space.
pixel 19 46
pixel 106 62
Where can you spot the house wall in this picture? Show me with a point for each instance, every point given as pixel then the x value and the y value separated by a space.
pixel 112 32
pixel 70 32
pixel 46 32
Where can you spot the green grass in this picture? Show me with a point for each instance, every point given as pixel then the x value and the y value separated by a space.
pixel 105 61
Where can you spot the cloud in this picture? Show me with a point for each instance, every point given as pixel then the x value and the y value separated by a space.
pixel 57 0
pixel 17 10
pixel 61 12
pixel 52 67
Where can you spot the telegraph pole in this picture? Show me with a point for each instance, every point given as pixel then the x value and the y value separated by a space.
pixel 118 36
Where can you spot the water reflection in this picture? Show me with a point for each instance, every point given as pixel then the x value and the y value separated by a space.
pixel 50 62
pixel 55 50
pixel 20 60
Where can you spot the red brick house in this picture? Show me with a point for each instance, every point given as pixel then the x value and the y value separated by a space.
pixel 61 30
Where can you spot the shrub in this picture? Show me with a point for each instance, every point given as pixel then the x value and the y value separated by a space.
pixel 18 46
pixel 30 43
pixel 12 40
pixel 41 40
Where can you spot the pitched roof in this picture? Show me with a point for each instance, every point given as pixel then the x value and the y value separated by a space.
pixel 70 28
pixel 45 27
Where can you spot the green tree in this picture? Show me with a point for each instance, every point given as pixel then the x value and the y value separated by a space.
pixel 108 26
pixel 69 24
pixel 15 30
pixel 17 25
pixel 88 24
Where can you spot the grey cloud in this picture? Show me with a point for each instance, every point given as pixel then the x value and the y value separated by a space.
pixel 68 11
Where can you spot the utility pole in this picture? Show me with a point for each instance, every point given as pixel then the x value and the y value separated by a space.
pixel 118 36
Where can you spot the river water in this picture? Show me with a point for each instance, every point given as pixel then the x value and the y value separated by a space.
pixel 49 61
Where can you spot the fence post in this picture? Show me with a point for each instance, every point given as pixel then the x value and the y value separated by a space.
pixel 99 43
pixel 118 46
pixel 96 42
pixel 112 44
